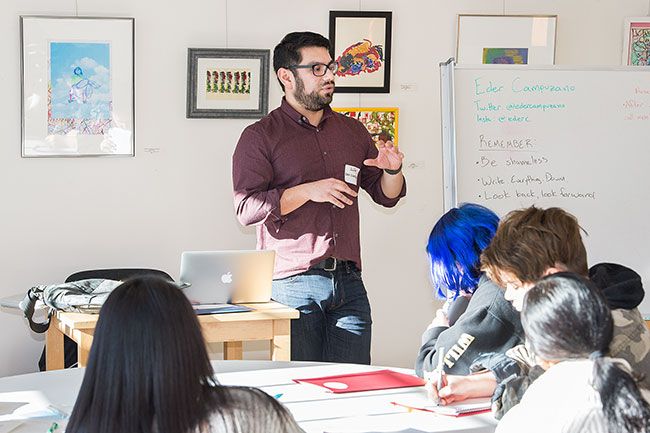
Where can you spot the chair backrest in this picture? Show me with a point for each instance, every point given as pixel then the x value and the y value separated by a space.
pixel 118 274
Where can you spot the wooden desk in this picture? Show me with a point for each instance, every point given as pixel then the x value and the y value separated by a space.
pixel 270 321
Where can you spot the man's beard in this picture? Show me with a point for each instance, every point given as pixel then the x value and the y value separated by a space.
pixel 312 101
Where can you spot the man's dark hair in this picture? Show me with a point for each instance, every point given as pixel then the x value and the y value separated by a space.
pixel 287 52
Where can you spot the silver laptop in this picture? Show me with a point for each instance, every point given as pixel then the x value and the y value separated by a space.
pixel 217 277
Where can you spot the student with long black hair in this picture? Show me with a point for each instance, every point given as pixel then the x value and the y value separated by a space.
pixel 148 372
pixel 569 328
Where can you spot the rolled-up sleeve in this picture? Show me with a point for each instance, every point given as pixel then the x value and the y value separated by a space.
pixel 252 174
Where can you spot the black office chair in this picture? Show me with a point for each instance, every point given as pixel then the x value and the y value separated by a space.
pixel 118 274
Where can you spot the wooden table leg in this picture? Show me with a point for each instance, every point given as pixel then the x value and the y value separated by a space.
pixel 84 341
pixel 54 355
pixel 233 350
pixel 281 343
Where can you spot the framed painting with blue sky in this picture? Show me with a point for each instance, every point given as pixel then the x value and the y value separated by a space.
pixel 77 86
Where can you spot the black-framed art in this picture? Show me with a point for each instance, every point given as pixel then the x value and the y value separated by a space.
pixel 227 83
pixel 361 43
pixel 77 86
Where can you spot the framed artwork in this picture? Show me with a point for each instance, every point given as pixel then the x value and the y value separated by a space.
pixel 506 39
pixel 227 83
pixel 636 42
pixel 361 44
pixel 77 91
pixel 381 123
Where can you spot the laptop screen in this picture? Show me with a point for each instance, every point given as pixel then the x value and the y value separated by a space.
pixel 237 276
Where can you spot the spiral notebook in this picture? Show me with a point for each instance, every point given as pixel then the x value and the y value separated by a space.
pixel 420 401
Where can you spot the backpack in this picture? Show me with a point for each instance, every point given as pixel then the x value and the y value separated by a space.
pixel 83 296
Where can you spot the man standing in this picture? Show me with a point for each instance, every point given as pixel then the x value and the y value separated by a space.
pixel 296 176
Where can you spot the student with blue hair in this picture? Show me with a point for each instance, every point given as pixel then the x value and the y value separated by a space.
pixel 475 318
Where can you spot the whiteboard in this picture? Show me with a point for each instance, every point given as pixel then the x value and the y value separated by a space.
pixel 575 138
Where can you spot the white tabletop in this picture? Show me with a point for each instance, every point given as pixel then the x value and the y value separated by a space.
pixel 315 409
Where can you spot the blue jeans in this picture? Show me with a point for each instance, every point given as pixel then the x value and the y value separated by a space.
pixel 334 323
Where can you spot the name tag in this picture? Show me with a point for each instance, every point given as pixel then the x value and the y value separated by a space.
pixel 351 174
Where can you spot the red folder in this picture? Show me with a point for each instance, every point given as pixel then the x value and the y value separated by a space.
pixel 367 381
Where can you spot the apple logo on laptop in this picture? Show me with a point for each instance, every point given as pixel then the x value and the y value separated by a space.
pixel 226 278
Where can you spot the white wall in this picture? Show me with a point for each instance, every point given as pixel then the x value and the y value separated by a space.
pixel 63 215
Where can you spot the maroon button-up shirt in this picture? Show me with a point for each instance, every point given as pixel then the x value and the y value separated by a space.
pixel 283 150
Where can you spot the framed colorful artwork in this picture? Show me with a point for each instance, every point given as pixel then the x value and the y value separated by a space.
pixel 506 39
pixel 227 83
pixel 636 42
pixel 381 123
pixel 361 44
pixel 77 92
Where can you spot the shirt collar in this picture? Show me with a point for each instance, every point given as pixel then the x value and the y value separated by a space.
pixel 299 118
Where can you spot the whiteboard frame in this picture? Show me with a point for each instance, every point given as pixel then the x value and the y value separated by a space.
pixel 448 114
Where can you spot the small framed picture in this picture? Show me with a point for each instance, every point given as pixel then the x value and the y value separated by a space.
pixel 381 123
pixel 361 44
pixel 636 42
pixel 506 39
pixel 77 92
pixel 227 83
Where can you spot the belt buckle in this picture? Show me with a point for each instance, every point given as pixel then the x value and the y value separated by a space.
pixel 325 268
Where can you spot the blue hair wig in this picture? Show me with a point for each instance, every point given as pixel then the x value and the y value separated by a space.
pixel 455 246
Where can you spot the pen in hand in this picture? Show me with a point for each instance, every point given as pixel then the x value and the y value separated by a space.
pixel 437 376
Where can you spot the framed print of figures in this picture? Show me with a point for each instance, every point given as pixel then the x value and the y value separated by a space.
pixel 636 42
pixel 381 123
pixel 227 83
pixel 361 44
pixel 77 92
pixel 506 39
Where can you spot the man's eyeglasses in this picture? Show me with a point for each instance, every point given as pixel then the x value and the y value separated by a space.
pixel 319 69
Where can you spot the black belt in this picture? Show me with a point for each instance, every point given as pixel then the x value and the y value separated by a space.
pixel 329 264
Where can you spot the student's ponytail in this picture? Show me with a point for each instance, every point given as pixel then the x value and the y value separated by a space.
pixel 566 317
pixel 624 407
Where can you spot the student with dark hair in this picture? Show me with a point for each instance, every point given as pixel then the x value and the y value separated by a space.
pixel 569 329
pixel 475 318
pixel 148 371
pixel 529 244
pixel 296 176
